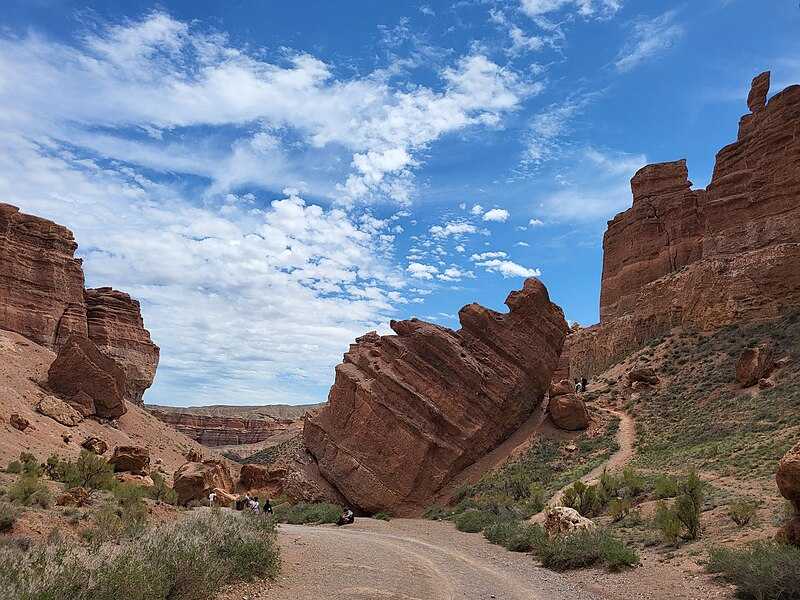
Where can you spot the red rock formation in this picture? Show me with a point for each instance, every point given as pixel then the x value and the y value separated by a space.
pixel 115 325
pixel 41 283
pixel 224 431
pixel 91 382
pixel 131 459
pixel 704 258
pixel 754 364
pixel 788 480
pixel 42 298
pixel 569 412
pixel 194 481
pixel 407 412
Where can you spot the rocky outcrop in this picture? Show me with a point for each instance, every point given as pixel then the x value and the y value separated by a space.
pixel 788 480
pixel 91 382
pixel 562 520
pixel 644 375
pixel 59 411
pixel 42 298
pixel 569 412
pixel 409 411
pixel 253 477
pixel 19 422
pixel 195 481
pixel 561 388
pixel 131 459
pixel 754 365
pixel 115 324
pixel 224 430
pixel 95 445
pixel 709 257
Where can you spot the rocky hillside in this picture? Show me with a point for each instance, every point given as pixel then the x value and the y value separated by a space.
pixel 704 258
pixel 42 298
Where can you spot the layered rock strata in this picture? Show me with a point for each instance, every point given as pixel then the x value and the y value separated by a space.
pixel 709 257
pixel 225 431
pixel 409 411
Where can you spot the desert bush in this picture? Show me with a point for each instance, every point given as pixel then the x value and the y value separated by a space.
pixel 435 512
pixel 8 516
pixel 585 548
pixel 29 490
pixel 688 505
pixel 619 508
pixel 473 521
pixel 632 483
pixel 189 560
pixel 500 532
pixel 382 516
pixel 742 512
pixel 526 538
pixel 761 571
pixel 161 492
pixel 583 498
pixel 30 465
pixel 304 513
pixel 668 523
pixel 87 471
pixel 665 486
pixel 14 467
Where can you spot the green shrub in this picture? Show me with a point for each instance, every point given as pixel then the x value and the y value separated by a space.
pixel 500 532
pixel 14 467
pixel 665 486
pixel 435 512
pixel 189 560
pixel 161 492
pixel 619 508
pixel 632 483
pixel 583 498
pixel 761 571
pixel 473 521
pixel 688 513
pixel 87 471
pixel 8 516
pixel 668 523
pixel 526 538
pixel 742 512
pixel 585 548
pixel 382 516
pixel 304 513
pixel 29 490
pixel 30 466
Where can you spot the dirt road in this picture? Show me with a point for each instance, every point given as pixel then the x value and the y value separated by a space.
pixel 405 559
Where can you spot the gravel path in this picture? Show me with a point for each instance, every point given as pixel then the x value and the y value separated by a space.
pixel 404 559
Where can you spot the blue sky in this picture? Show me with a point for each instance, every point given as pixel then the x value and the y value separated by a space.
pixel 273 179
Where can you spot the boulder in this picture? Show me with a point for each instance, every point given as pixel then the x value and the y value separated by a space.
pixel 788 480
pixel 644 375
pixel 408 412
pixel 17 421
pixel 132 459
pixel 765 383
pixel 96 445
pixel 253 477
pixel 80 370
pixel 569 412
pixel 561 388
pixel 193 455
pixel 139 480
pixel 59 411
pixel 755 363
pixel 76 496
pixel 561 520
pixel 194 481
pixel 224 498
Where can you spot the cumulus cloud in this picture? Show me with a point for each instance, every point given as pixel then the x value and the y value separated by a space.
pixel 649 39
pixel 508 268
pixel 452 228
pixel 477 209
pixel 454 273
pixel 421 271
pixel 599 9
pixel 498 215
pixel 535 223
pixel 487 255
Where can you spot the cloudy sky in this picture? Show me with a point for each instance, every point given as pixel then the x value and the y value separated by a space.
pixel 273 179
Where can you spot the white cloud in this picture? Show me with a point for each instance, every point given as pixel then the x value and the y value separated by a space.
pixel 421 271
pixel 599 9
pixel 453 273
pixel 544 138
pixel 520 41
pixel 460 249
pixel 452 228
pixel 523 244
pixel 487 255
pixel 498 215
pixel 649 38
pixel 508 268
pixel 535 223
pixel 477 209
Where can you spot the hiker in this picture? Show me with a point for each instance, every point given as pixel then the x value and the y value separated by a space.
pixel 584 383
pixel 212 498
pixel 254 506
pixel 347 518
pixel 578 386
pixel 267 507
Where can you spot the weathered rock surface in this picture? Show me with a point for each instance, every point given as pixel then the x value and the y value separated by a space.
pixel 96 445
pixel 88 380
pixel 76 496
pixel 42 298
pixel 224 430
pixel 59 411
pixel 709 257
pixel 644 375
pixel 19 422
pixel 253 477
pixel 409 411
pixel 569 412
pixel 562 520
pixel 561 388
pixel 754 364
pixel 131 459
pixel 788 480
pixel 194 481
pixel 115 324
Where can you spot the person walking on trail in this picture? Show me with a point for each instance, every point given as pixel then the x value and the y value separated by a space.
pixel 584 383
pixel 578 386
pixel 267 507
pixel 254 506
pixel 212 498
pixel 347 518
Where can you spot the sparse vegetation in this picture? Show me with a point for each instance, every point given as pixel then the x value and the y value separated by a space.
pixel 586 548
pixel 161 492
pixel 742 512
pixel 684 513
pixel 473 521
pixel 304 513
pixel 761 571
pixel 382 516
pixel 29 490
pixel 436 512
pixel 189 560
pixel 8 516
pixel 87 471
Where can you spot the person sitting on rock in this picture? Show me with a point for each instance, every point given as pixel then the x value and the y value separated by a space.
pixel 347 518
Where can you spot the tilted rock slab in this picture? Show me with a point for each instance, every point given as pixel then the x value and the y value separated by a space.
pixel 704 258
pixel 407 412
pixel 42 297
pixel 788 480
pixel 196 480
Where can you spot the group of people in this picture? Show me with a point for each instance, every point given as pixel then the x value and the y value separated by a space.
pixel 252 504
pixel 580 386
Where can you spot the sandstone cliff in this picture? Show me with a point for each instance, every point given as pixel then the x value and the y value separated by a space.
pixel 224 431
pixel 42 298
pixel 409 411
pixel 709 257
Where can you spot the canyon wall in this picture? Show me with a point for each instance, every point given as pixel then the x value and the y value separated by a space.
pixel 42 297
pixel 709 257
pixel 409 411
